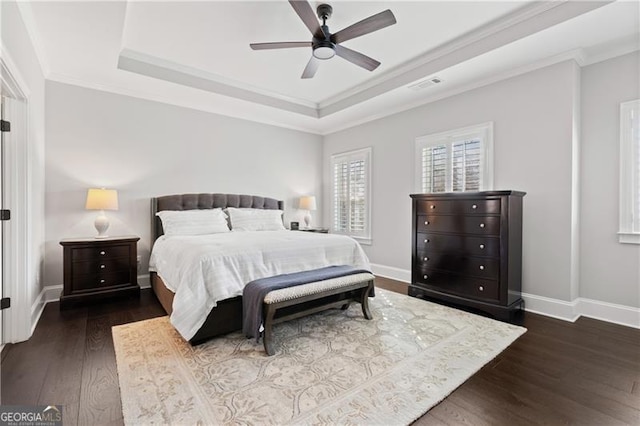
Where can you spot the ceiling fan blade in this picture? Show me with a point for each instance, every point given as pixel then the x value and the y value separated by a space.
pixel 280 45
pixel 308 16
pixel 311 68
pixel 366 26
pixel 357 58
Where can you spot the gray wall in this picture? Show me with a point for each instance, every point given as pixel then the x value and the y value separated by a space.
pixel 146 149
pixel 609 270
pixel 533 116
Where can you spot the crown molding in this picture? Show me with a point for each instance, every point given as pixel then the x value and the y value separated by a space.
pixel 520 23
pixel 26 12
pixel 127 91
pixel 141 63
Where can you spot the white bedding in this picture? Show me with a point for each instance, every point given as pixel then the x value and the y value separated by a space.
pixel 202 270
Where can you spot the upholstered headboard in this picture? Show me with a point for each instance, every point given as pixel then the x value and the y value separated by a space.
pixel 206 201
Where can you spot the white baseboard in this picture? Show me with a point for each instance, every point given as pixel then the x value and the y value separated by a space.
pixel 48 294
pixel 144 281
pixel 555 308
pixel 397 274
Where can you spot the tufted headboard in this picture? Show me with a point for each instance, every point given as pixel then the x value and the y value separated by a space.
pixel 206 201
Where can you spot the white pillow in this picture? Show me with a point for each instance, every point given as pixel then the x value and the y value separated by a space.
pixel 193 222
pixel 255 219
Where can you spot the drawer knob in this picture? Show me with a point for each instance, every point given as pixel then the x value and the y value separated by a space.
pixel 426 241
pixel 426 222
pixel 102 253
pixel 426 259
pixel 432 206
pixel 481 246
pixel 102 266
pixel 482 267
pixel 101 281
pixel 482 225
pixel 481 288
pixel 425 276
pixel 475 206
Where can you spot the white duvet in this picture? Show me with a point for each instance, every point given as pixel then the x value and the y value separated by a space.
pixel 202 270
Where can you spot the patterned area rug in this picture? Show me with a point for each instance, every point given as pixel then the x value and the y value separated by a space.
pixel 330 368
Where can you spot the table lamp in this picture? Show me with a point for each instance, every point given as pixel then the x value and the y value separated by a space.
pixel 307 203
pixel 102 199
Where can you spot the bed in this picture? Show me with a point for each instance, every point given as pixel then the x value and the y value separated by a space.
pixel 201 290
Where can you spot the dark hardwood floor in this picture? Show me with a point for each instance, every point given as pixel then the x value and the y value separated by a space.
pixel 583 373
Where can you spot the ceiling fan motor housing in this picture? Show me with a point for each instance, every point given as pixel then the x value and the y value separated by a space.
pixel 324 48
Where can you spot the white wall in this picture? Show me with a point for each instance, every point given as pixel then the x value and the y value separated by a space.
pixel 19 51
pixel 533 129
pixel 610 271
pixel 146 149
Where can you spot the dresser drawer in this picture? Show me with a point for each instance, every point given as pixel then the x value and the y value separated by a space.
pixel 480 267
pixel 475 288
pixel 482 225
pixel 100 266
pixel 458 244
pixel 94 253
pixel 476 206
pixel 433 206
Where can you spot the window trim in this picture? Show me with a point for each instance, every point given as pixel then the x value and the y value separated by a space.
pixel 629 183
pixel 484 130
pixel 365 237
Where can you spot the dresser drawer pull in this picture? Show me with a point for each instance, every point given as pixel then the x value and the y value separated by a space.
pixel 426 259
pixel 426 241
pixel 425 276
pixel 432 206
pixel 481 246
pixel 482 225
pixel 475 206
pixel 102 281
pixel 102 253
pixel 102 266
pixel 426 222
pixel 481 288
pixel 482 267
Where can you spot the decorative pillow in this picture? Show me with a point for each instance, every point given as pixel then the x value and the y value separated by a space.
pixel 193 222
pixel 255 219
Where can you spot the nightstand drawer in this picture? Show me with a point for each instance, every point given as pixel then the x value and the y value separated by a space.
pixel 100 266
pixel 90 282
pixel 433 206
pixel 480 289
pixel 458 244
pixel 480 267
pixel 90 253
pixel 476 206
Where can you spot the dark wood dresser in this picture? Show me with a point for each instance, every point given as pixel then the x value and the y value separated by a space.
pixel 467 250
pixel 97 269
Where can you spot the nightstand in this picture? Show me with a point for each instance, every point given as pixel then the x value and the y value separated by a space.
pixel 98 269
pixel 319 230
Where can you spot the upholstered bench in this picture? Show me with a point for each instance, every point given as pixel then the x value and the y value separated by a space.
pixel 301 300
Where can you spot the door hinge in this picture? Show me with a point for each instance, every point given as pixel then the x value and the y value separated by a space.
pixel 5 214
pixel 5 126
pixel 5 303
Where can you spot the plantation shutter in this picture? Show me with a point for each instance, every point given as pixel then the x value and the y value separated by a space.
pixel 455 161
pixel 351 193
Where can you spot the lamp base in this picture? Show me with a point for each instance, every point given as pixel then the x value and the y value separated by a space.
pixel 307 220
pixel 102 224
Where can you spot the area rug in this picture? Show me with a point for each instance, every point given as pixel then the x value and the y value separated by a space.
pixel 330 368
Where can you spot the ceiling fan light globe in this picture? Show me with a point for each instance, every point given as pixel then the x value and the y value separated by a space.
pixel 323 52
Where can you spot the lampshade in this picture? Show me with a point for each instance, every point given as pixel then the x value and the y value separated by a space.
pixel 307 203
pixel 102 199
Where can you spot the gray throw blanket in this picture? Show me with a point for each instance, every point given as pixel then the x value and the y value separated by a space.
pixel 254 292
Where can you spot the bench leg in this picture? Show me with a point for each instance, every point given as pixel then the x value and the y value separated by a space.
pixel 267 337
pixel 365 301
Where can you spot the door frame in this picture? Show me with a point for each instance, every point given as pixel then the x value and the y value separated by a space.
pixel 19 282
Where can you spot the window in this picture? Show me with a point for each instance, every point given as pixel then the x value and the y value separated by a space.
pixel 630 172
pixel 455 161
pixel 351 206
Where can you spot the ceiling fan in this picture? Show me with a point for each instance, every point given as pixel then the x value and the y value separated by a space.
pixel 326 45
